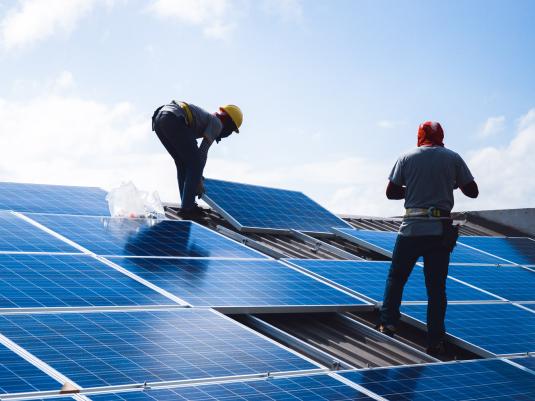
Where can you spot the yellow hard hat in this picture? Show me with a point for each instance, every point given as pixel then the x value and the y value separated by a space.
pixel 235 114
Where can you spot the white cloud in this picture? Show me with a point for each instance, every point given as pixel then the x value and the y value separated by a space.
pixel 212 16
pixel 287 10
pixel 493 126
pixel 390 124
pixel 34 20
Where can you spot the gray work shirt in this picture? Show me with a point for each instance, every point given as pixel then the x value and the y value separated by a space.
pixel 205 125
pixel 430 173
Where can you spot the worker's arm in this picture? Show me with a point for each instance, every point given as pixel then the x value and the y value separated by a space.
pixel 394 191
pixel 471 190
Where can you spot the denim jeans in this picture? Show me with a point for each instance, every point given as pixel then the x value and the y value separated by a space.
pixel 179 140
pixel 436 260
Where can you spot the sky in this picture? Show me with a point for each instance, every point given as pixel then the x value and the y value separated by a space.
pixel 332 92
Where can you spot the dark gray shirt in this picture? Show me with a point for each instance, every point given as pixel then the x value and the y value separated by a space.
pixel 430 173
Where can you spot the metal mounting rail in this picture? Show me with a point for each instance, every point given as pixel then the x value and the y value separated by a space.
pixel 250 243
pixel 321 245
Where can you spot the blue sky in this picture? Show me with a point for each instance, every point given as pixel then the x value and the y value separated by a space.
pixel 332 91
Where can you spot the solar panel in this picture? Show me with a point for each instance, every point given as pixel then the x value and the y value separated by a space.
pixel 252 207
pixel 302 388
pixel 500 329
pixel 240 283
pixel 384 242
pixel 114 348
pixel 31 281
pixel 488 380
pixel 17 235
pixel 530 306
pixel 369 278
pixel 510 282
pixel 60 199
pixel 19 376
pixel 514 250
pixel 144 237
pixel 527 362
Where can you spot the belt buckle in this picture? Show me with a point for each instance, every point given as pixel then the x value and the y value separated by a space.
pixel 433 212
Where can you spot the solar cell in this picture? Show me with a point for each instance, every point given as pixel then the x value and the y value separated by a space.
pixel 114 348
pixel 31 281
pixel 369 278
pixel 144 237
pixel 60 199
pixel 17 235
pixel 514 250
pixel 500 329
pixel 510 282
pixel 384 242
pixel 303 388
pixel 530 306
pixel 240 283
pixel 488 380
pixel 254 207
pixel 19 376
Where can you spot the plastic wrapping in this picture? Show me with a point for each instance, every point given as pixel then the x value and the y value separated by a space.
pixel 128 201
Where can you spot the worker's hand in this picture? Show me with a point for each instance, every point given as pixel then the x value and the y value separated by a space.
pixel 200 188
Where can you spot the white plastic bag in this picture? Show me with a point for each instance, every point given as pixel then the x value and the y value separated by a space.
pixel 128 201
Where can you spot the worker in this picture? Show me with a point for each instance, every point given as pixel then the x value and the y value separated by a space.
pixel 426 178
pixel 178 126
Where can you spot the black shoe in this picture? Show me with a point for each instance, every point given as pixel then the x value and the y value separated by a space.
pixel 437 350
pixel 193 213
pixel 387 329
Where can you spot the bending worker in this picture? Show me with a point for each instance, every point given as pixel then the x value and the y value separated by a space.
pixel 178 126
pixel 425 177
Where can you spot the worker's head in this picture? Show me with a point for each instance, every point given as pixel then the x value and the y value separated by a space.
pixel 231 117
pixel 430 133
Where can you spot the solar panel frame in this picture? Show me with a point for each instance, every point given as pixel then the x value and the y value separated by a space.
pixel 241 226
pixel 484 380
pixel 414 291
pixel 238 286
pixel 41 198
pixel 113 236
pixel 503 254
pixel 385 246
pixel 120 348
pixel 19 236
pixel 31 282
pixel 321 387
pixel 486 329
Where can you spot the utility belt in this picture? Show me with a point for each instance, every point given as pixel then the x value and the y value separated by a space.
pixel 450 232
pixel 184 106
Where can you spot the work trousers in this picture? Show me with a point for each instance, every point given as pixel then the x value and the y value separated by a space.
pixel 180 141
pixel 436 260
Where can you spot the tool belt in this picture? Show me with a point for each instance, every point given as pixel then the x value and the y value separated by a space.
pixel 189 116
pixel 429 212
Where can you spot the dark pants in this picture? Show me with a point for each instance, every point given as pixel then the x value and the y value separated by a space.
pixel 179 140
pixel 436 261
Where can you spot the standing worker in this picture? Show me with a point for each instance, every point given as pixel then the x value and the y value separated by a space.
pixel 178 126
pixel 425 177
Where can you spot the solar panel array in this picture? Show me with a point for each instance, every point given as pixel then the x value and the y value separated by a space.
pixel 104 301
pixel 513 250
pixel 274 209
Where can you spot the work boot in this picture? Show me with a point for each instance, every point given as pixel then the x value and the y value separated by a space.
pixel 438 350
pixel 386 329
pixel 194 212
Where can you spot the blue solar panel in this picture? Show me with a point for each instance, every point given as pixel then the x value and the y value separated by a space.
pixel 500 329
pixel 530 306
pixel 17 235
pixel 144 237
pixel 386 240
pixel 59 199
pixel 514 250
pixel 242 283
pixel 303 388
pixel 114 348
pixel 510 282
pixel 369 278
pixel 252 206
pixel 485 380
pixel 30 281
pixel 19 376
pixel 527 362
